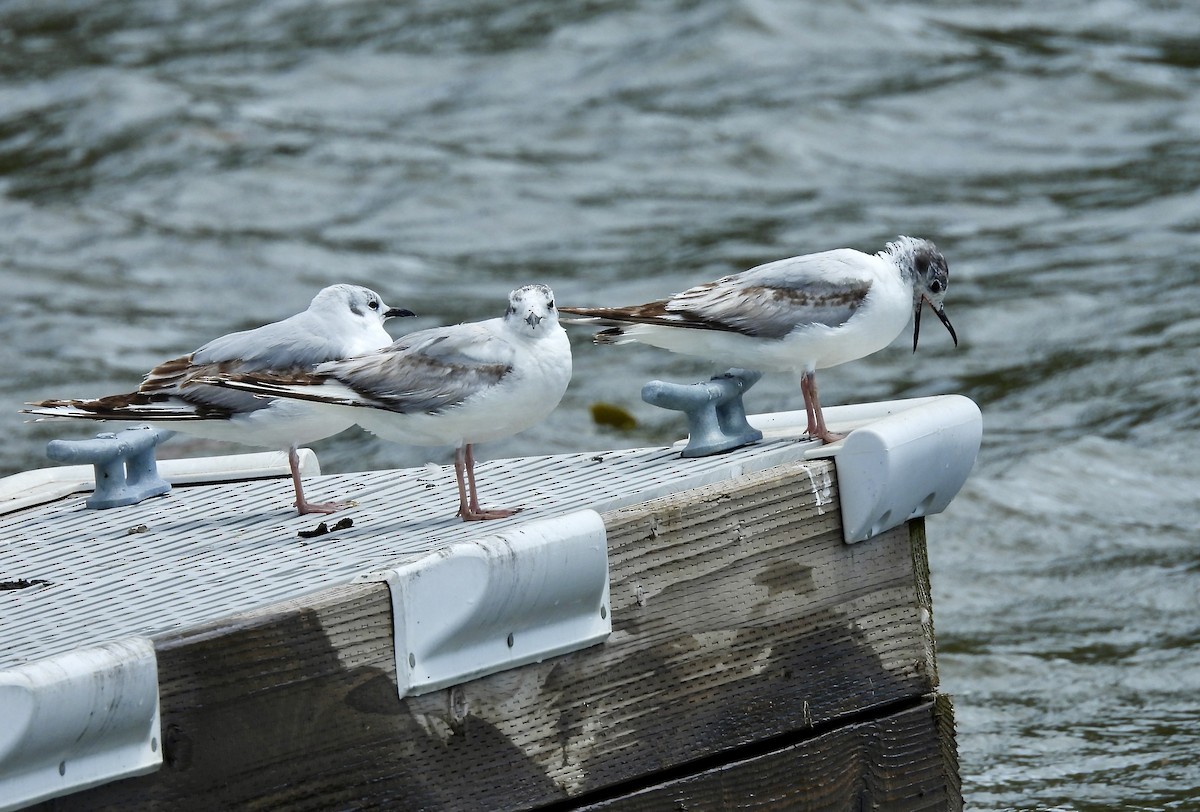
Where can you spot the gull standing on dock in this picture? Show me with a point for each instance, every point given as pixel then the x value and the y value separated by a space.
pixel 341 321
pixel 793 315
pixel 456 385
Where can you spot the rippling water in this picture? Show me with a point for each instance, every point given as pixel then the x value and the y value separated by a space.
pixel 170 171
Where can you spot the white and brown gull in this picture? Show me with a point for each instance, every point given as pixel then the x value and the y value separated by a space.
pixel 341 321
pixel 456 385
pixel 794 315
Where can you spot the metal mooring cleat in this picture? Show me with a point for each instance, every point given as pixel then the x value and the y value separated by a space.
pixel 715 413
pixel 126 471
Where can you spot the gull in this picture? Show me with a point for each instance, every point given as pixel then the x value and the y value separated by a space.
pixel 455 385
pixel 341 321
pixel 793 315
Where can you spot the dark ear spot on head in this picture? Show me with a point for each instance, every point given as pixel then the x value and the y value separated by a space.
pixel 921 263
pixel 355 309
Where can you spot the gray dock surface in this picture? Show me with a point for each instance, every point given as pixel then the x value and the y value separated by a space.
pixel 204 552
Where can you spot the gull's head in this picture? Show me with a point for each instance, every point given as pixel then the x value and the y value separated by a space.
pixel 529 307
pixel 355 302
pixel 921 263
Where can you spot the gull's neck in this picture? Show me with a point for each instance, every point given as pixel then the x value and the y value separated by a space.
pixel 901 252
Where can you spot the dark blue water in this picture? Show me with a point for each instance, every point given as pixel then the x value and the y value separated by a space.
pixel 171 171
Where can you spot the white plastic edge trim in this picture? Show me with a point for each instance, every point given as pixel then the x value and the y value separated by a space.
pixel 909 460
pixel 901 459
pixel 840 419
pixel 78 720
pixel 29 488
pixel 478 607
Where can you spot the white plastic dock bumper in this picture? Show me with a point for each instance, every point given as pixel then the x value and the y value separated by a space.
pixel 478 607
pixel 906 464
pixel 77 720
pixel 901 460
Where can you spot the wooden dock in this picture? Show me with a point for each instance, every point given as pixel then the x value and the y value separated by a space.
pixel 756 661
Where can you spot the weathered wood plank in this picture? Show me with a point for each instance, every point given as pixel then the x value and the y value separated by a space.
pixel 739 615
pixel 900 762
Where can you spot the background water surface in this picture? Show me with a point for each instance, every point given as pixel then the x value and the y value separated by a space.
pixel 171 170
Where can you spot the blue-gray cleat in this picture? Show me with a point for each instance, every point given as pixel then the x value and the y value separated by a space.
pixel 126 471
pixel 715 413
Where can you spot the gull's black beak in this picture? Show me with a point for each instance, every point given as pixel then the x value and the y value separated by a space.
pixel 533 320
pixel 393 312
pixel 941 314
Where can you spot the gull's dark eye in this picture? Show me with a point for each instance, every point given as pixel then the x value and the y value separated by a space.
pixel 936 286
pixel 551 305
pixel 373 304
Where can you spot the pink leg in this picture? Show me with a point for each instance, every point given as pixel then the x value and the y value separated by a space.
pixel 468 496
pixel 302 504
pixel 460 474
pixel 806 381
pixel 812 405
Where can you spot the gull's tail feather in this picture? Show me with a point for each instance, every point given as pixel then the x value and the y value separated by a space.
pixel 313 388
pixel 647 313
pixel 132 407
pixel 613 335
pixel 617 321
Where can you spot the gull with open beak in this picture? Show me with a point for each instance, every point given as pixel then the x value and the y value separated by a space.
pixel 794 315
